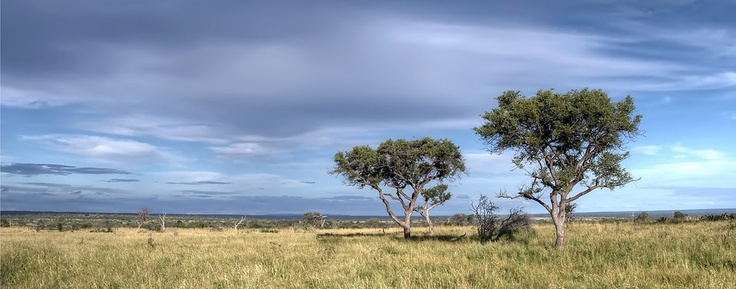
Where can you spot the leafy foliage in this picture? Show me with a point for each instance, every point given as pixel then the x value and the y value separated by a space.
pixel 313 219
pixel 642 217
pixel 721 217
pixel 433 197
pixel 562 141
pixel 461 220
pixel 400 164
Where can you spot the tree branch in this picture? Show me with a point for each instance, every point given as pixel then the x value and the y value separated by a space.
pixel 391 196
pixel 525 196
pixel 388 205
pixel 589 189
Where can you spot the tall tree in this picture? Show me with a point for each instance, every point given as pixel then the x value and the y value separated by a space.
pixel 565 142
pixel 397 165
pixel 433 197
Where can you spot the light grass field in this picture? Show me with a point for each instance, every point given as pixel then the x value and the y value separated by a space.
pixel 625 255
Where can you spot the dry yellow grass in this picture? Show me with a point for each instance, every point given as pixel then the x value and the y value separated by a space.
pixel 693 255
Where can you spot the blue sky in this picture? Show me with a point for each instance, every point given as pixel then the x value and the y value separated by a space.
pixel 239 106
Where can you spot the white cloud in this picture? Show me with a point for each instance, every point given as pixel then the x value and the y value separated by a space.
pixel 691 168
pixel 485 163
pixel 647 150
pixel 156 126
pixel 190 176
pixel 29 98
pixel 705 154
pixel 244 149
pixel 105 149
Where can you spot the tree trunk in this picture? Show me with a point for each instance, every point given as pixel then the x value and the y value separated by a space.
pixel 407 222
pixel 558 217
pixel 559 233
pixel 163 222
pixel 429 222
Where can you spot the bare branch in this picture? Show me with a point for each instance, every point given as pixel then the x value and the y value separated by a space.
pixel 504 195
pixel 162 218
pixel 242 219
pixel 391 196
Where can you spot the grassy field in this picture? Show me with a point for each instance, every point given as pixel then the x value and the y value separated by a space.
pixel 624 255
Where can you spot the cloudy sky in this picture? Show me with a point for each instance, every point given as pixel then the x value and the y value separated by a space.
pixel 239 106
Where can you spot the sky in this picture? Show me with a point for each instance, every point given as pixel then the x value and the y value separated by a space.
pixel 238 107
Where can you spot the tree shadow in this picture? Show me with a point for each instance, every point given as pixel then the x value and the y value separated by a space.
pixel 352 235
pixel 437 238
pixel 399 237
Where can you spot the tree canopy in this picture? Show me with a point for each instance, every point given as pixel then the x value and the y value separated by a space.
pixel 399 164
pixel 563 141
pixel 433 197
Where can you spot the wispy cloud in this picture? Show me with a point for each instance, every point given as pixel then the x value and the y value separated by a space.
pixel 199 183
pixel 689 167
pixel 243 150
pixel 647 150
pixel 705 154
pixel 122 180
pixel 106 149
pixel 30 169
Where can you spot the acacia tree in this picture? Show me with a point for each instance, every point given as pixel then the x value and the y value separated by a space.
pixel 314 219
pixel 397 165
pixel 433 197
pixel 565 142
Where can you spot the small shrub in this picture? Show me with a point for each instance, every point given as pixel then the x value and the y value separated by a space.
pixel 487 221
pixel 643 217
pixel 721 217
pixel 516 221
pixel 461 220
pixel 40 225
pixel 373 223
pixel 314 219
pixel 491 227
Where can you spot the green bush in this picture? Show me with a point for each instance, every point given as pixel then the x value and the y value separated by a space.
pixel 643 217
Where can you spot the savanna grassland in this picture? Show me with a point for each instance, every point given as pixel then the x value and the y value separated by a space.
pixel 598 255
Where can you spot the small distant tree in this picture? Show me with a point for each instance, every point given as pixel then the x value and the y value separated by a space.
pixel 314 219
pixel 569 209
pixel 397 165
pixel 162 218
pixel 642 217
pixel 433 197
pixel 242 219
pixel 60 224
pixel 461 220
pixel 565 142
pixel 142 216
pixel 41 225
pixel 679 215
pixel 373 223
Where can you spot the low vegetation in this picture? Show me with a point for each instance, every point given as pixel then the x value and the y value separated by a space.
pixel 624 254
